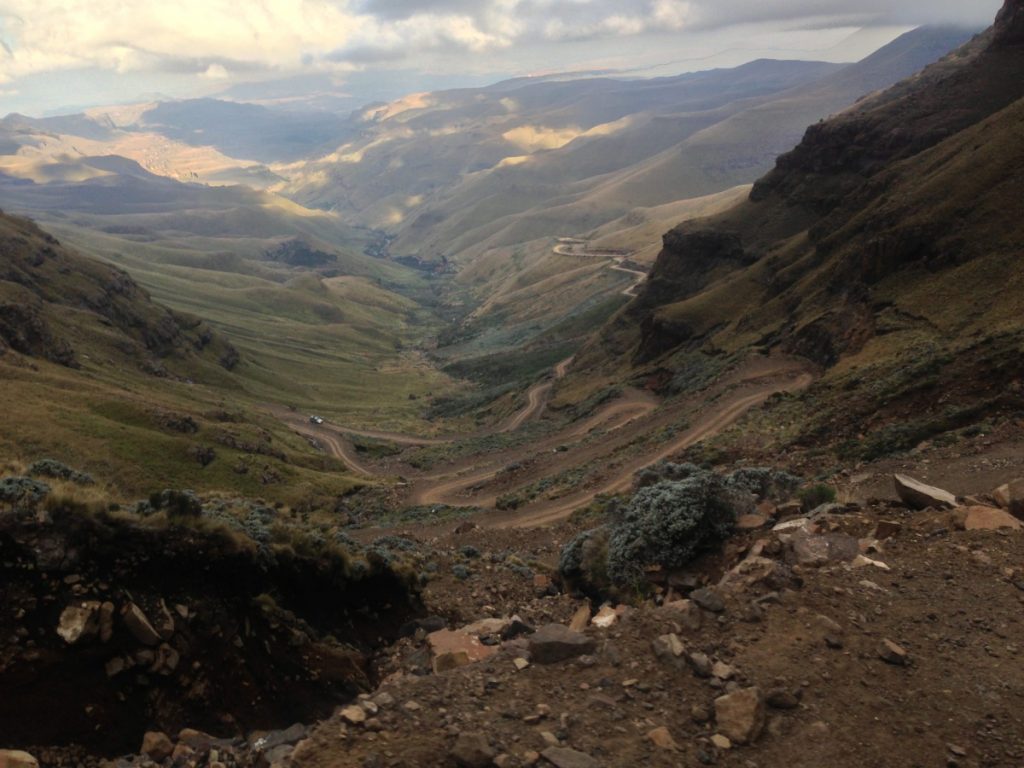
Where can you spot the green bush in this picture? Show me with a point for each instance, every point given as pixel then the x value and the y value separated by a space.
pixel 22 493
pixel 670 523
pixel 59 471
pixel 814 496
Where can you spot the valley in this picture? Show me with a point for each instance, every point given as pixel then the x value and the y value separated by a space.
pixel 580 420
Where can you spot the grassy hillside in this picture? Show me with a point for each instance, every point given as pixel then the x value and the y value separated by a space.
pixel 885 247
pixel 321 325
pixel 97 375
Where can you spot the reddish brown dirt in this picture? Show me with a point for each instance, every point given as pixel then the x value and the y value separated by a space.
pixel 952 600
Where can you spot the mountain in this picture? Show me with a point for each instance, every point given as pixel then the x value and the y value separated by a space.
pixel 458 172
pixel 885 248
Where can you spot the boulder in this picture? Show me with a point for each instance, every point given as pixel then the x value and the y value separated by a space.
pixel 79 622
pixel 823 549
pixel 708 599
pixel 157 746
pixel 1011 497
pixel 740 715
pixel 13 758
pixel 451 649
pixel 564 757
pixel 472 750
pixel 918 495
pixel 556 642
pixel 138 624
pixel 986 519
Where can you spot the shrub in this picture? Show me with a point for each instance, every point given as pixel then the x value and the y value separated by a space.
pixel 178 504
pixel 670 523
pixel 763 482
pixel 814 496
pixel 664 470
pixel 22 493
pixel 59 471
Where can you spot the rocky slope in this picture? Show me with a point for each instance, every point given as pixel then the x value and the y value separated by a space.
pixel 118 624
pixel 865 250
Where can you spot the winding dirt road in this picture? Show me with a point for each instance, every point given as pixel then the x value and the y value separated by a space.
pixel 571 246
pixel 479 481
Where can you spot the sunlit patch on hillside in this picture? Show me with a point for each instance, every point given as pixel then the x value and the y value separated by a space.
pixel 395 108
pixel 537 139
pixel 510 162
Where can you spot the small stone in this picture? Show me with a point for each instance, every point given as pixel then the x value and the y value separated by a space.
pixel 157 746
pixel 662 739
pixel 472 750
pixel 520 664
pixel 606 617
pixel 700 664
pixel 721 742
pixel 722 671
pixel 79 622
pixel 668 646
pixel 708 599
pixel 563 757
pixel 685 613
pixel 353 715
pixel 580 619
pixel 740 715
pixel 893 654
pixel 700 714
pixel 556 642
pixel 138 624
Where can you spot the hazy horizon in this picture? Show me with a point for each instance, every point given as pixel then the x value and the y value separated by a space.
pixel 59 57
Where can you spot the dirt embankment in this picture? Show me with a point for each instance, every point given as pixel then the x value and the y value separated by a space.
pixel 109 629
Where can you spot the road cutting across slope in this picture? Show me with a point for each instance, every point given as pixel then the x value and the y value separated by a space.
pixel 721 417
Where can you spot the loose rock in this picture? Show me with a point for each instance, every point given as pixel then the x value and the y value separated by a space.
pixel 556 642
pixel 740 715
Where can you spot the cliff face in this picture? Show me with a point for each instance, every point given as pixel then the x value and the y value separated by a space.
pixel 1009 27
pixel 886 248
pixel 846 210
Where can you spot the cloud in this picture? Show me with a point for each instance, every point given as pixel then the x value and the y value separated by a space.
pixel 221 38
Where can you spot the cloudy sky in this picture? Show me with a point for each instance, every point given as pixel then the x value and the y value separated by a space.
pixel 59 53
